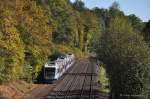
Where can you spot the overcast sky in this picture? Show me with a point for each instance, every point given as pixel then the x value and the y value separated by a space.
pixel 140 8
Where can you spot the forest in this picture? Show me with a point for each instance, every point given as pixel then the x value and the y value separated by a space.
pixel 33 30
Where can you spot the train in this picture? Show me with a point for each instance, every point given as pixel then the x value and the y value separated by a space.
pixel 53 70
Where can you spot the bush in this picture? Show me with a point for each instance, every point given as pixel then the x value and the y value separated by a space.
pixel 104 81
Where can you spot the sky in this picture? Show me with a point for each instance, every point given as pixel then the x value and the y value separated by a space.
pixel 140 8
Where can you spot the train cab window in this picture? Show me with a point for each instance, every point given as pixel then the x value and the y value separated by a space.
pixel 49 73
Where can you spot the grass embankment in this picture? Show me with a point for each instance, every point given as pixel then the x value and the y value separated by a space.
pixel 104 81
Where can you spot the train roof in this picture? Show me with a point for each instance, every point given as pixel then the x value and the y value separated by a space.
pixel 52 63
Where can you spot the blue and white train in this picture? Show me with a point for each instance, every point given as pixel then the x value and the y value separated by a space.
pixel 53 70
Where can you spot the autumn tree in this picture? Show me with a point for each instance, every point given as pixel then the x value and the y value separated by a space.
pixel 91 28
pixel 36 33
pixel 11 48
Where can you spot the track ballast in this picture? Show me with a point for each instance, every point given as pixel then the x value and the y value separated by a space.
pixel 79 82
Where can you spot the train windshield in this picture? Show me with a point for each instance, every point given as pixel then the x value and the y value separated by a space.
pixel 49 73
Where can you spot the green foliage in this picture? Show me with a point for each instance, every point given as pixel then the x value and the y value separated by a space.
pixel 146 32
pixel 126 57
pixel 103 17
pixel 55 54
pixel 136 23
pixel 91 29
pixel 1 69
pixel 65 17
pixel 79 5
pixel 36 32
pixel 33 30
pixel 27 72
pixel 11 47
pixel 104 81
pixel 115 5
pixel 25 39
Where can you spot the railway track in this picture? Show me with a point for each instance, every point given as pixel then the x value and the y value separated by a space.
pixel 79 83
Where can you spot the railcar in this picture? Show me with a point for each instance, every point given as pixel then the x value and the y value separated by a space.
pixel 53 70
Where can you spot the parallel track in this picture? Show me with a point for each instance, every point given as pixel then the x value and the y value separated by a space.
pixel 78 83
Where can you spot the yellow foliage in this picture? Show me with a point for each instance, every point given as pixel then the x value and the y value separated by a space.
pixel 19 5
pixel 28 19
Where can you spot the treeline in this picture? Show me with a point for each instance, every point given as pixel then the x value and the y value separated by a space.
pixel 124 49
pixel 32 30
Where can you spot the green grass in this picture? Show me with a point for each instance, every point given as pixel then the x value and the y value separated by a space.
pixel 103 80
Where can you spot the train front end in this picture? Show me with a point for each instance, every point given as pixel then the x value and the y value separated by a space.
pixel 50 69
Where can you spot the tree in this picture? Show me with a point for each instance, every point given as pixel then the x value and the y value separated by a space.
pixel 91 28
pixel 79 5
pixel 126 57
pixel 11 46
pixel 136 23
pixel 103 17
pixel 146 31
pixel 65 17
pixel 19 6
pixel 36 32
pixel 115 5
